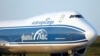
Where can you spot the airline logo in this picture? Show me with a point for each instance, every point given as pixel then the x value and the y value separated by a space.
pixel 40 34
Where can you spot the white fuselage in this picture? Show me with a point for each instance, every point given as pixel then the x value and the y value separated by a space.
pixel 54 32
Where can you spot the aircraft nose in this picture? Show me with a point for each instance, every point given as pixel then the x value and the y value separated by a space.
pixel 91 35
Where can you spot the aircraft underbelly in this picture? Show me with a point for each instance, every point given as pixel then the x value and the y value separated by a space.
pixel 41 48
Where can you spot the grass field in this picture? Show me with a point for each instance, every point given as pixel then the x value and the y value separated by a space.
pixel 93 50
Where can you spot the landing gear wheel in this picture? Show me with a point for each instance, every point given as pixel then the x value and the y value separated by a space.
pixel 70 53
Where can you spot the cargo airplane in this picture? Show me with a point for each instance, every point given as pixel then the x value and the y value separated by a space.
pixel 58 33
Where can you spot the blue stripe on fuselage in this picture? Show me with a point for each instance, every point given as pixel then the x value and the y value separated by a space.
pixel 54 33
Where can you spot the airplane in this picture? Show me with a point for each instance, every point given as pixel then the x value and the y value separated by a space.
pixel 64 33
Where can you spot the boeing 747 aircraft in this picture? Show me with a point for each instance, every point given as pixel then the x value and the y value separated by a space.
pixel 58 33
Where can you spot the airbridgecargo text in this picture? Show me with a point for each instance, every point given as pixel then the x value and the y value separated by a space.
pixel 47 21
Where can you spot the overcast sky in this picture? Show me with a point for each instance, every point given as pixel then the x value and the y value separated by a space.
pixel 23 9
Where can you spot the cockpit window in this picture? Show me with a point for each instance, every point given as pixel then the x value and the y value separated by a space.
pixel 76 16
